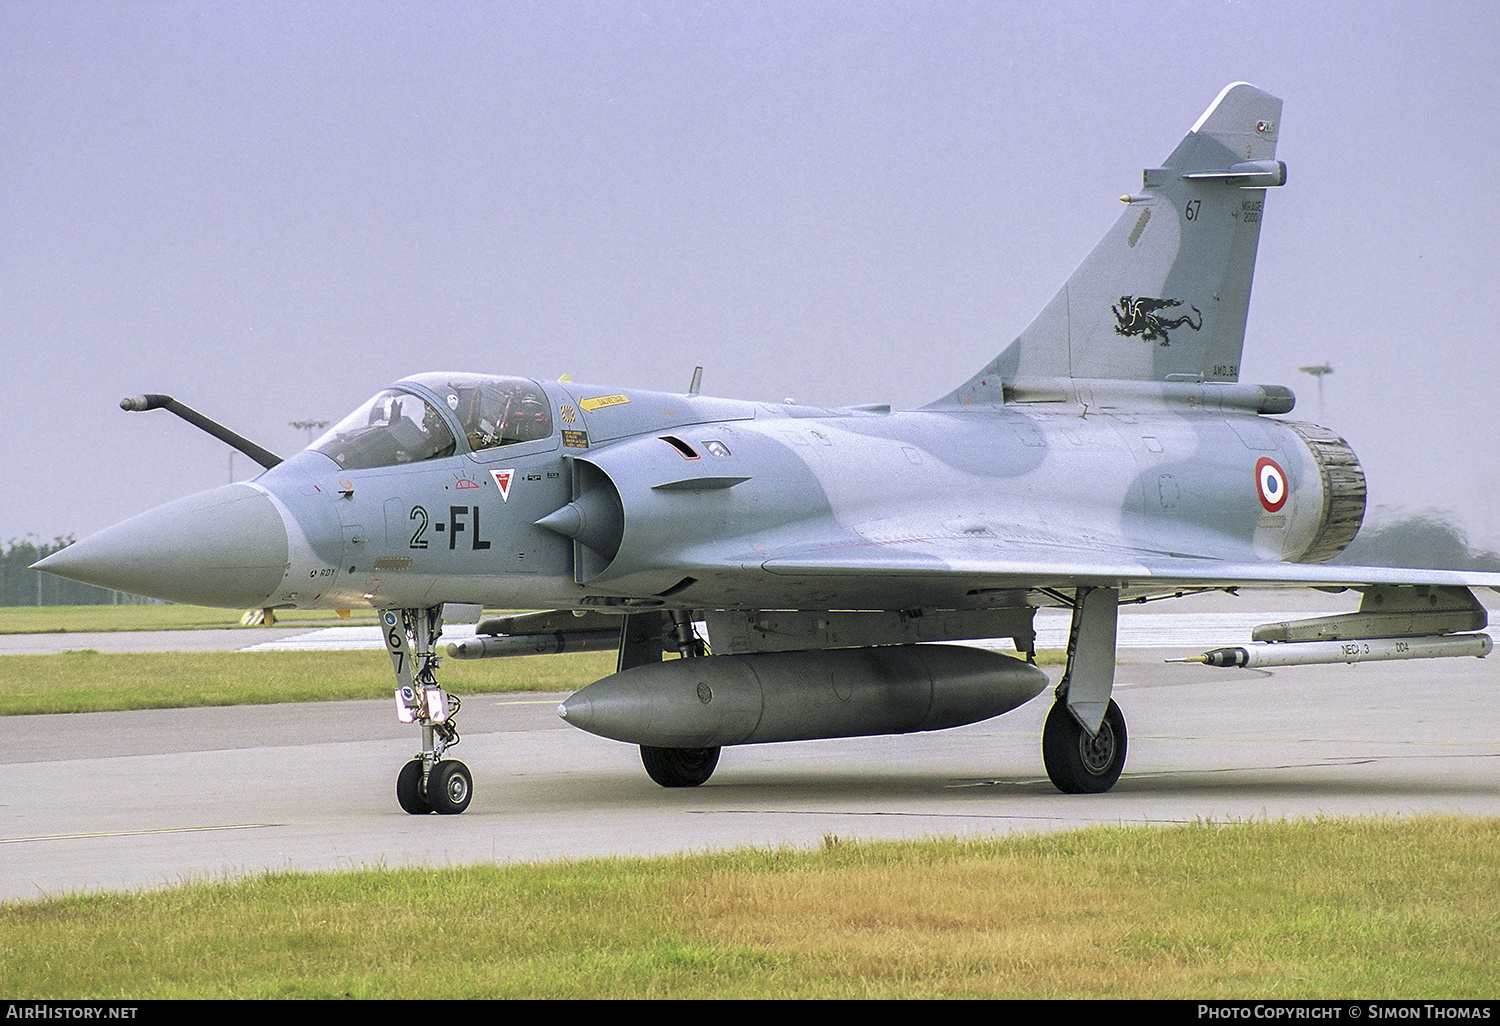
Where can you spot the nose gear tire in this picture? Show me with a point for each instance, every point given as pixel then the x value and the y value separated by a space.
pixel 449 788
pixel 409 789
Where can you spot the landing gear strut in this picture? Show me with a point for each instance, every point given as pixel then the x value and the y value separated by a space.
pixel 427 783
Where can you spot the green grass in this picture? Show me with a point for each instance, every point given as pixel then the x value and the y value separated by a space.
pixel 84 680
pixel 1374 909
pixel 166 617
pixel 88 681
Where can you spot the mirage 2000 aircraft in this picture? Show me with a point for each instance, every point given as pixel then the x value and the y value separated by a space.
pixel 1108 454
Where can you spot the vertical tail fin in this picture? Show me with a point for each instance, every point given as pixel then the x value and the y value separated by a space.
pixel 1164 296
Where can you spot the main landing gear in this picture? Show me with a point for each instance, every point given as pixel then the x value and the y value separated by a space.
pixel 642 640
pixel 428 783
pixel 1080 760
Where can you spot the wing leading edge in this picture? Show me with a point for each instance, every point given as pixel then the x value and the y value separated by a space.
pixel 1062 567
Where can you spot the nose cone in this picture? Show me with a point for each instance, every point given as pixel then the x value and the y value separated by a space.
pixel 225 547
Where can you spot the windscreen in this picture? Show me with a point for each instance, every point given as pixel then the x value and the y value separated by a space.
pixel 392 428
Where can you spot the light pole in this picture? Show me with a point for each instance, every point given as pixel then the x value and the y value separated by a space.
pixel 1318 372
pixel 309 426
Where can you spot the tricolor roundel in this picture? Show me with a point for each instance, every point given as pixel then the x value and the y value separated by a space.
pixel 1270 482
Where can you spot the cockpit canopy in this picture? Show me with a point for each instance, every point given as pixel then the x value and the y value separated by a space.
pixel 398 426
pixel 494 411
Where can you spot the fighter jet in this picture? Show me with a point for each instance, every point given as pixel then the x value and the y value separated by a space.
pixel 771 572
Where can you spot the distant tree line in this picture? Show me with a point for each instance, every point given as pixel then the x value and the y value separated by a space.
pixel 22 586
pixel 1417 542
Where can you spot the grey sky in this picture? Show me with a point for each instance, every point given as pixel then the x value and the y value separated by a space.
pixel 272 210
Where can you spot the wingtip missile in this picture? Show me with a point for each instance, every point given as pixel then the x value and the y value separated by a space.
pixel 1307 653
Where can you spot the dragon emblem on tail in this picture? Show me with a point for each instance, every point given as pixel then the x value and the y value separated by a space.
pixel 1137 315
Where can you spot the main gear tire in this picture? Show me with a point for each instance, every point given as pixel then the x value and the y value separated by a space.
pixel 679 767
pixel 1079 762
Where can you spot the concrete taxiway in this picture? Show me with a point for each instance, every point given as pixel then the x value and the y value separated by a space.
pixel 148 799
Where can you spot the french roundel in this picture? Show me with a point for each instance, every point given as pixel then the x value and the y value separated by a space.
pixel 1270 482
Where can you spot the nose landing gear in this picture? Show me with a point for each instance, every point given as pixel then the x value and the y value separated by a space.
pixel 427 783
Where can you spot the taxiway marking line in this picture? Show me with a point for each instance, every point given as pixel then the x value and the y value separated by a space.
pixel 136 833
